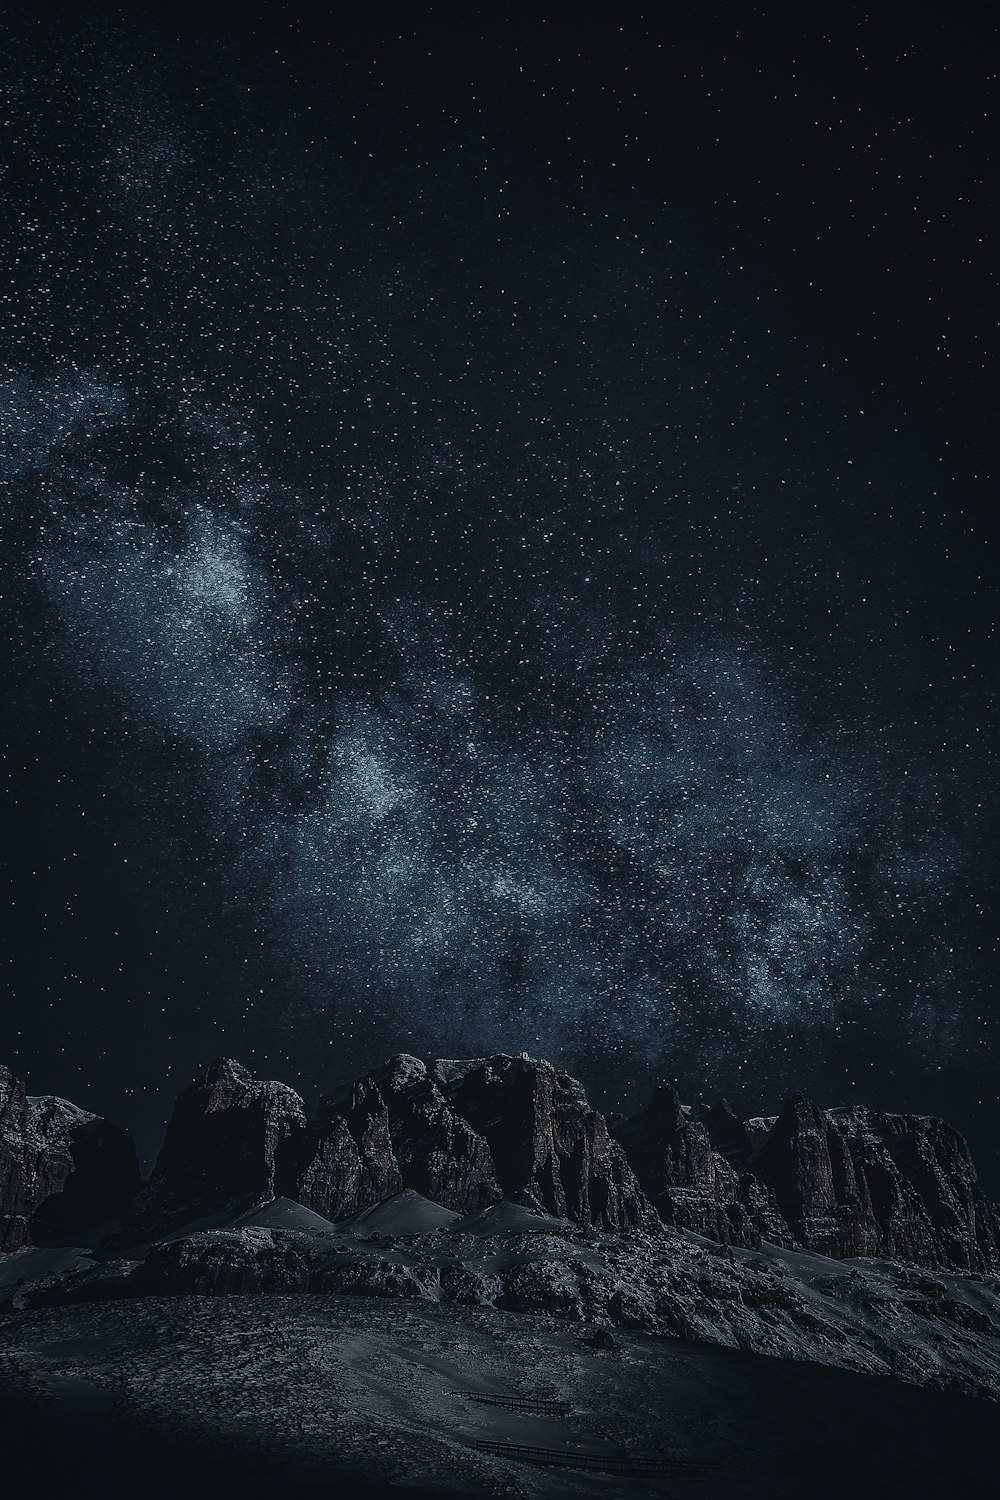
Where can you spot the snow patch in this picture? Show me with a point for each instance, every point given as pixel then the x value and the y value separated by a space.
pixel 507 1218
pixel 406 1213
pixel 285 1213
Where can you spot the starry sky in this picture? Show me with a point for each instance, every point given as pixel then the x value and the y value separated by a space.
pixel 497 553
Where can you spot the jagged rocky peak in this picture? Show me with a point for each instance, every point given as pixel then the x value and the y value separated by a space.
pixel 551 1150
pixel 728 1134
pixel 691 1185
pixel 927 1201
pixel 467 1133
pixel 849 1182
pixel 62 1169
pixel 393 1129
pixel 440 1154
pixel 219 1153
pixel 809 1166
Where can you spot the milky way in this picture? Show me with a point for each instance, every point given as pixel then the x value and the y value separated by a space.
pixel 474 588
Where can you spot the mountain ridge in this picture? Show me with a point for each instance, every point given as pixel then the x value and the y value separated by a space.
pixel 468 1133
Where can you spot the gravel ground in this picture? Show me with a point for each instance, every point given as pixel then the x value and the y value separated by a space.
pixel 352 1396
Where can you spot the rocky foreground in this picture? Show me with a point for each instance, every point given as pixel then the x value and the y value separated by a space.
pixel 298 1295
pixel 937 1329
pixel 336 1396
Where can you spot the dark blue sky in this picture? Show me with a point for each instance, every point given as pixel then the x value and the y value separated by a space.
pixel 498 556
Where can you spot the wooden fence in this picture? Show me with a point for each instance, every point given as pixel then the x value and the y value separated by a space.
pixel 539 1406
pixel 606 1463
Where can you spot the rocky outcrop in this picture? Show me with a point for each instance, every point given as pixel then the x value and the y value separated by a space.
pixel 860 1183
pixel 551 1150
pixel 808 1165
pixel 393 1129
pixel 464 1134
pixel 440 1154
pixel 728 1134
pixel 925 1197
pixel 343 1161
pixel 62 1169
pixel 692 1186
pixel 843 1183
pixel 223 1264
pixel 219 1153
pixel 467 1134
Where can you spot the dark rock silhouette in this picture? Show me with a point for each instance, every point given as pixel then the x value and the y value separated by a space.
pixel 218 1154
pixel 728 1134
pixel 843 1183
pixel 926 1199
pixel 393 1129
pixel 809 1166
pixel 552 1151
pixel 692 1185
pixel 466 1134
pixel 439 1153
pixel 343 1161
pixel 62 1169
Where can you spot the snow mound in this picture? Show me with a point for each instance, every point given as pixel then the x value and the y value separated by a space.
pixel 32 1263
pixel 285 1213
pixel 406 1213
pixel 507 1218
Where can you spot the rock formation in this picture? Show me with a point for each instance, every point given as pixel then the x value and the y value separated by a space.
pixel 692 1185
pixel 342 1161
pixel 218 1154
pixel 843 1183
pixel 440 1154
pixel 926 1200
pixel 466 1134
pixel 61 1168
pixel 808 1165
pixel 394 1129
pixel 551 1150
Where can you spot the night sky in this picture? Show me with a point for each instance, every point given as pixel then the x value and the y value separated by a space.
pixel 497 553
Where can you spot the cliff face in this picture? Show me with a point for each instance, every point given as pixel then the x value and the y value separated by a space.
pixel 466 1134
pixel 61 1168
pixel 219 1152
pixel 848 1183
pixel 551 1150
pixel 692 1185
pixel 463 1134
pixel 808 1165
pixel 926 1199
pixel 393 1129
